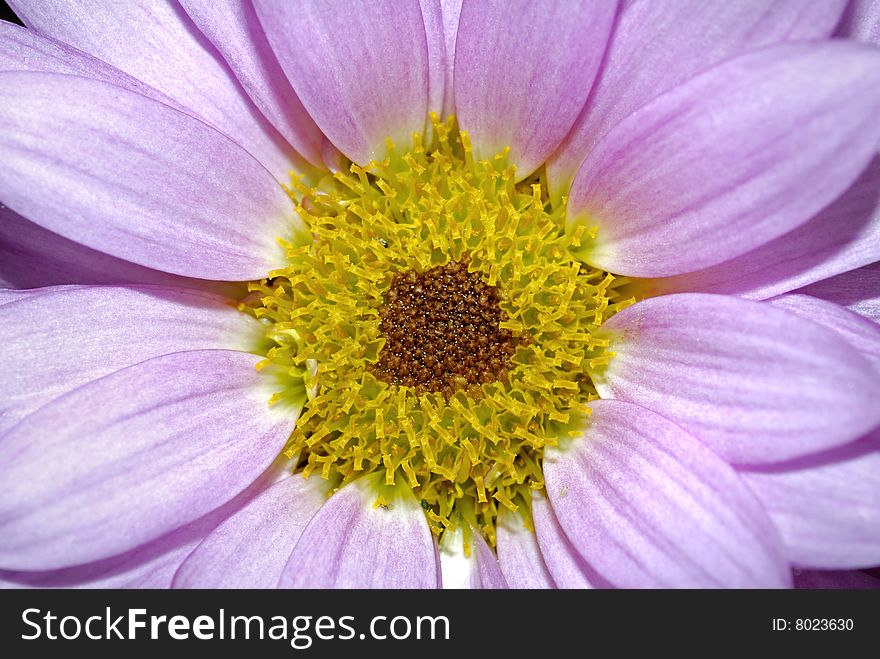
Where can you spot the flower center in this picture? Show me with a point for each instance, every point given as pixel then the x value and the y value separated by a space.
pixel 442 332
pixel 440 326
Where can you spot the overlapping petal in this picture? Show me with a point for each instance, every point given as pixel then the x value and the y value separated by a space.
pixel 8 295
pixel 153 564
pixel 355 542
pixel 755 383
pixel 506 91
pixel 827 506
pixel 435 41
pixel 712 170
pixel 360 68
pixel 26 50
pixel 234 30
pixel 474 567
pixel 168 440
pixel 488 571
pixel 565 564
pixel 60 338
pixel 658 44
pixel 31 256
pixel 451 13
pixel 157 43
pixel 858 289
pixel 861 22
pixel 859 332
pixel 251 547
pixel 134 178
pixel 844 236
pixel 519 555
pixel 648 506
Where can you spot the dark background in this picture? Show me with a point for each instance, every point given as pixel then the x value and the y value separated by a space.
pixel 494 624
pixel 6 13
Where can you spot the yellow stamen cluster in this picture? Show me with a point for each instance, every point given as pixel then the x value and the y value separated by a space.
pixel 467 451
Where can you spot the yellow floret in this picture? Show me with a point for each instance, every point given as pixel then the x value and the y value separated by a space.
pixel 482 447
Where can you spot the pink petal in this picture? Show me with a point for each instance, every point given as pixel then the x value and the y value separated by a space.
pixel 65 337
pixel 564 563
pixel 755 383
pixel 11 295
pixel 859 332
pixel 827 506
pixel 712 169
pixel 858 289
pixel 845 579
pixel 157 44
pixel 506 94
pixel 861 22
pixel 489 575
pixel 361 70
pixel 157 451
pixel 659 44
pixel 251 548
pixel 151 565
pixel 353 543
pixel 26 50
pixel 233 29
pixel 136 179
pixel 31 256
pixel 519 555
pixel 333 160
pixel 648 506
pixel 844 236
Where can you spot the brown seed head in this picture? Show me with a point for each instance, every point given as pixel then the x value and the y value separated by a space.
pixel 442 331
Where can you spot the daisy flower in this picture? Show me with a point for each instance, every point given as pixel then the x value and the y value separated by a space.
pixel 409 294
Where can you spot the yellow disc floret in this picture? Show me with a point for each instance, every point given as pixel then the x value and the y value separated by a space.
pixel 464 450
